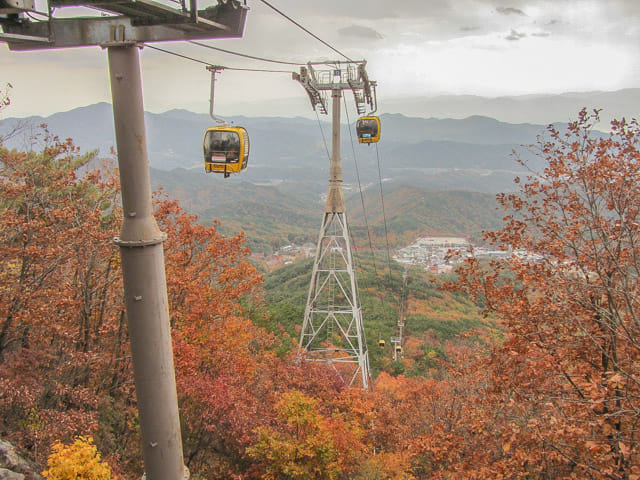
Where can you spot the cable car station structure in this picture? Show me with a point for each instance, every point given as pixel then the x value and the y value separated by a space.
pixel 125 25
pixel 333 330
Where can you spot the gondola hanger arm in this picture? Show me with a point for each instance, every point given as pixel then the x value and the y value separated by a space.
pixel 374 104
pixel 214 69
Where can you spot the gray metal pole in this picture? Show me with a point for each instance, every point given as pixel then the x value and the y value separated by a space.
pixel 335 197
pixel 145 289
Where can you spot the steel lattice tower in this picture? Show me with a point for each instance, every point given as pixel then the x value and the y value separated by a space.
pixel 333 330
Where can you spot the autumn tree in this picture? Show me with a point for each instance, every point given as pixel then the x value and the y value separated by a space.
pixel 567 376
pixel 304 444
pixel 79 459
pixel 65 367
pixel 17 125
pixel 219 353
pixel 59 320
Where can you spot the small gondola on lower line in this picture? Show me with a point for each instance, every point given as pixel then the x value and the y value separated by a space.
pixel 368 129
pixel 226 149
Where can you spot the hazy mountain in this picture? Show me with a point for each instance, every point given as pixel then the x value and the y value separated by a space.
pixel 430 152
pixel 274 215
pixel 279 197
pixel 542 109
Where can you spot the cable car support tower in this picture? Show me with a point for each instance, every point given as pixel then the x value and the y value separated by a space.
pixel 332 329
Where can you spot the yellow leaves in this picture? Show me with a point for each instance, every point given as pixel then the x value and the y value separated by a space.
pixel 80 460
pixel 387 466
pixel 305 444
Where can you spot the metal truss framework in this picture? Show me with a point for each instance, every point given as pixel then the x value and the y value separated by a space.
pixel 346 76
pixel 333 330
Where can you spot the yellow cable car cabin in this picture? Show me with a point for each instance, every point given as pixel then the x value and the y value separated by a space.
pixel 368 129
pixel 226 150
pixel 381 343
pixel 398 349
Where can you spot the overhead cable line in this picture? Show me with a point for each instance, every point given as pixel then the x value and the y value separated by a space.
pixel 304 29
pixel 324 140
pixel 186 57
pixel 355 162
pixel 253 57
pixel 176 54
pixel 236 69
pixel 384 214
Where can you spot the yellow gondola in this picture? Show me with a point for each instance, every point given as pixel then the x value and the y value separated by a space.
pixel 381 343
pixel 398 349
pixel 368 129
pixel 226 149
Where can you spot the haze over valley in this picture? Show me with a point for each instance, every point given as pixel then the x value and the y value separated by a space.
pixel 278 199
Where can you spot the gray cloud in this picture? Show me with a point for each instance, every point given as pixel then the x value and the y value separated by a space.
pixel 360 31
pixel 372 9
pixel 515 35
pixel 541 34
pixel 510 11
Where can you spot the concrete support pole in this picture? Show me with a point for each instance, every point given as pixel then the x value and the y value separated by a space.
pixel 145 289
pixel 335 197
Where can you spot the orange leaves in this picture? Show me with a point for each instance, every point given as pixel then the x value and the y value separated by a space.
pixel 571 364
pixel 59 303
pixel 205 271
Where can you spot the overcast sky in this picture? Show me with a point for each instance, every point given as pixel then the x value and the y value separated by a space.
pixel 413 47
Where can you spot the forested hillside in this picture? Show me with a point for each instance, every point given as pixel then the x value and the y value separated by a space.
pixel 434 317
pixel 545 386
pixel 412 211
pixel 472 153
pixel 272 216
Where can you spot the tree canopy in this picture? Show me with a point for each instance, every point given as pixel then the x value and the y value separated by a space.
pixel 549 391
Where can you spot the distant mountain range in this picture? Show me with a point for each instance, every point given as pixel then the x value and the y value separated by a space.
pixel 278 199
pixel 538 108
pixel 468 154
pixel 542 109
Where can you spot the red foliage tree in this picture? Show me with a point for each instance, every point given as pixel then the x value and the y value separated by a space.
pixel 59 321
pixel 64 356
pixel 567 377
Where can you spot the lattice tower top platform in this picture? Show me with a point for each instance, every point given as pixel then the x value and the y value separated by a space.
pixel 337 76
